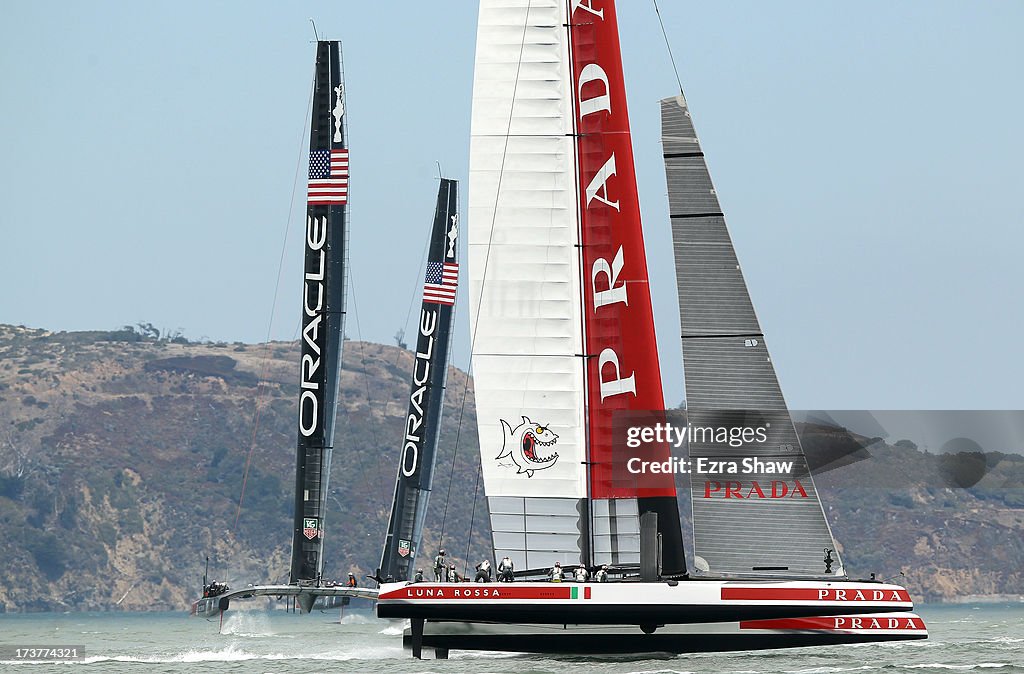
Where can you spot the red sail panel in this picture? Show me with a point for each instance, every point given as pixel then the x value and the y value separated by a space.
pixel 622 365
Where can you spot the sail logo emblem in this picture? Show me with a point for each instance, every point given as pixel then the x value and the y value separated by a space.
pixel 453 233
pixel 310 527
pixel 522 445
pixel 339 111
pixel 404 547
pixel 777 489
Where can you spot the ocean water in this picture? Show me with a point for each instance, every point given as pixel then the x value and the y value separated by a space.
pixel 985 637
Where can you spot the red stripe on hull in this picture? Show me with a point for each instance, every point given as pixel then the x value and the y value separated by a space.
pixel 866 622
pixel 813 594
pixel 503 591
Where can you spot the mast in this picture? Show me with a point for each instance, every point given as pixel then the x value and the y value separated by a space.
pixel 623 374
pixel 426 398
pixel 323 312
pixel 778 526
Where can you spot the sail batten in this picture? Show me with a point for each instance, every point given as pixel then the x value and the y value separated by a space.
pixel 754 523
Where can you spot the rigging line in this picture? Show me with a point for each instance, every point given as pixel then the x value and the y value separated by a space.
pixel 261 385
pixel 668 46
pixel 483 278
pixel 417 287
pixel 366 383
pixel 472 520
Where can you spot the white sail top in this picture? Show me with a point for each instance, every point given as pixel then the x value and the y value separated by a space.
pixel 524 279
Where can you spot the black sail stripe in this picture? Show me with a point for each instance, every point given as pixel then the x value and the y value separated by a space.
pixel 426 400
pixel 323 323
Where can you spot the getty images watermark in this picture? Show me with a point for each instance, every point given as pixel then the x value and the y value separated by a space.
pixel 756 476
pixel 668 434
pixel 772 454
pixel 731 454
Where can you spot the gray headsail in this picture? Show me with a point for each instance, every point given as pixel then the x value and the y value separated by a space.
pixel 426 398
pixel 758 522
pixel 323 311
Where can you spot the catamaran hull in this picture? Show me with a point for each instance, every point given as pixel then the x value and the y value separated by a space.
pixel 664 603
pixel 308 598
pixel 209 607
pixel 700 637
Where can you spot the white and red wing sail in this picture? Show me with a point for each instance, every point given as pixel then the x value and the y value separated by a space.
pixel 524 283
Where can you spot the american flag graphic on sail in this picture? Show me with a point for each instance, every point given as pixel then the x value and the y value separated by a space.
pixel 441 283
pixel 328 177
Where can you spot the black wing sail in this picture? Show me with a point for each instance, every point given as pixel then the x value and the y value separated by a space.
pixel 323 311
pixel 426 398
pixel 775 524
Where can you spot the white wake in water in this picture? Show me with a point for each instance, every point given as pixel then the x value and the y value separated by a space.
pixel 829 670
pixel 230 653
pixel 248 624
pixel 357 619
pixel 233 653
pixel 980 665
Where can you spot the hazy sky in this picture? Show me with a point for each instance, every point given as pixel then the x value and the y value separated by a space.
pixel 867 155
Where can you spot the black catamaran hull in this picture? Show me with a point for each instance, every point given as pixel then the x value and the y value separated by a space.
pixel 314 597
pixel 691 638
pixel 209 607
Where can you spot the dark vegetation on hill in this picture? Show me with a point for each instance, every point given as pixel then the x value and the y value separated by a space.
pixel 122 455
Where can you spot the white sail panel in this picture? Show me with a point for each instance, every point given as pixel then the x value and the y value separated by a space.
pixel 524 281
pixel 521 69
pixel 616 531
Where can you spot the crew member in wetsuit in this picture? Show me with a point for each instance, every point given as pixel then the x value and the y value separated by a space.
pixel 556 573
pixel 440 567
pixel 483 572
pixel 505 570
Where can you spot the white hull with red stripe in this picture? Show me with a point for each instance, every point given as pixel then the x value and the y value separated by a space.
pixel 637 603
pixel 697 637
